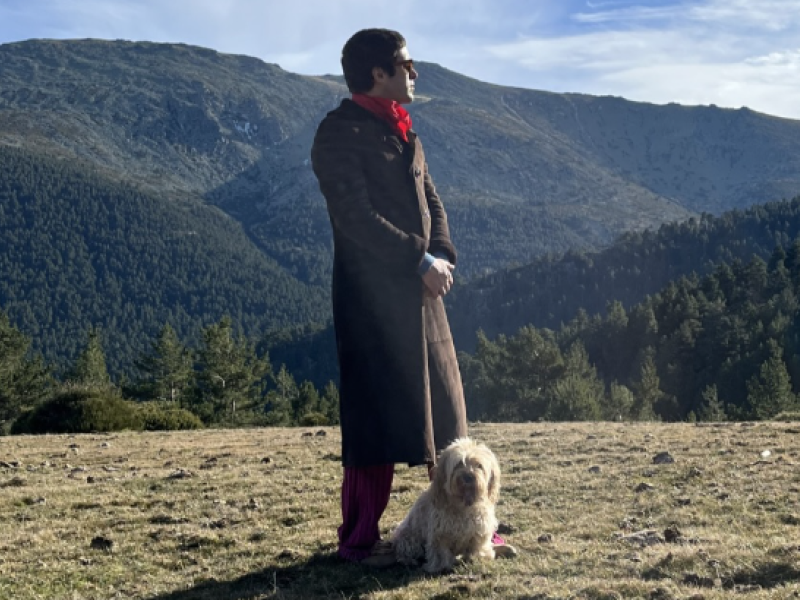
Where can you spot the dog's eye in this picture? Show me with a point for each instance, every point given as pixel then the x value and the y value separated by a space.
pixel 480 466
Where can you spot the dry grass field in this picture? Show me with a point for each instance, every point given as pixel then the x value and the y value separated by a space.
pixel 251 514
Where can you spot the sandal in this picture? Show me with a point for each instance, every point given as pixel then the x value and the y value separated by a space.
pixel 381 556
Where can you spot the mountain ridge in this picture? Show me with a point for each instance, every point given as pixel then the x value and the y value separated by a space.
pixel 523 173
pixel 181 119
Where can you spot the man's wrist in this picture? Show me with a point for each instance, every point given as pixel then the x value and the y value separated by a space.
pixel 427 262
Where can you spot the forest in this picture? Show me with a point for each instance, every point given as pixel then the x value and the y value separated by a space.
pixel 79 249
pixel 718 346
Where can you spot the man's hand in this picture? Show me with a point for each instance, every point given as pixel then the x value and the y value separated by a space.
pixel 438 278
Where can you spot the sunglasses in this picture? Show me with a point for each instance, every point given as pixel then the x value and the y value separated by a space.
pixel 408 65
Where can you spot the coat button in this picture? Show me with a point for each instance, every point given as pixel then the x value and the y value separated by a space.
pixel 417 172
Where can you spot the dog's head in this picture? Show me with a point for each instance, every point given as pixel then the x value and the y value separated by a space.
pixel 466 473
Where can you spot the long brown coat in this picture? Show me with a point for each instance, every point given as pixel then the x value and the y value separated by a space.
pixel 400 388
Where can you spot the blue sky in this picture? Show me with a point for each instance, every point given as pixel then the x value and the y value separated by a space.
pixel 731 53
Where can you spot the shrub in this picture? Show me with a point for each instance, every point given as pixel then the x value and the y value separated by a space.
pixel 205 412
pixel 80 409
pixel 158 417
pixel 787 416
pixel 313 419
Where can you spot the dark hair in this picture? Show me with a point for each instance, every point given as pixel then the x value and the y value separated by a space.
pixel 365 50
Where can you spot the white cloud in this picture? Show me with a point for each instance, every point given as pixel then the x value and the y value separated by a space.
pixel 605 51
pixel 635 13
pixel 789 59
pixel 768 15
pixel 731 86
pixel 733 53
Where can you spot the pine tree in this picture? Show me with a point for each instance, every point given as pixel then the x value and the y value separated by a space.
pixel 230 375
pixel 167 368
pixel 712 408
pixel 642 332
pixel 519 370
pixel 90 366
pixel 330 403
pixel 779 276
pixel 578 394
pixel 307 402
pixel 753 279
pixel 23 380
pixel 619 405
pixel 646 391
pixel 282 399
pixel 573 398
pixel 792 261
pixel 770 391
pixel 474 381
pixel 608 346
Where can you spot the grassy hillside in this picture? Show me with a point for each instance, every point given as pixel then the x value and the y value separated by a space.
pixel 215 515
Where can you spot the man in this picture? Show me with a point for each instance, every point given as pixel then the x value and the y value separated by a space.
pixel 401 396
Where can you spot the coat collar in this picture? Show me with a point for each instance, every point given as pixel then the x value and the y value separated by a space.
pixel 350 110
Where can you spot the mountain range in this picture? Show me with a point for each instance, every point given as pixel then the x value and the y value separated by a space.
pixel 522 172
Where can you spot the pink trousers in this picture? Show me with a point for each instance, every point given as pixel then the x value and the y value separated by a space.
pixel 365 494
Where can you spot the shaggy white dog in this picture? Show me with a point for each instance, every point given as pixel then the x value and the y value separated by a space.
pixel 455 515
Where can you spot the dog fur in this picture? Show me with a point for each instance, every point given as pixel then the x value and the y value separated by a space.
pixel 455 515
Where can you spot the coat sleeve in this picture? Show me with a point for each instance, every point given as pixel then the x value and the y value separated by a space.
pixel 336 164
pixel 440 242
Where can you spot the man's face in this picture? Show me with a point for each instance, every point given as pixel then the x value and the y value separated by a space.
pixel 400 86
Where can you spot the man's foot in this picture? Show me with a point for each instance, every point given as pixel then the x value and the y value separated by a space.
pixel 504 551
pixel 382 556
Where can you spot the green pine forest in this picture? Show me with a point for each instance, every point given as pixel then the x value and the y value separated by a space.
pixel 81 250
pixel 722 346
pixel 673 324
pixel 551 290
pixel 120 310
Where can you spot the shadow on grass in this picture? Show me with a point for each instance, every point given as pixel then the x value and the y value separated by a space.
pixel 766 575
pixel 323 575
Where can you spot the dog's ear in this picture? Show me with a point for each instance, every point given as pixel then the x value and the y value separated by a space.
pixel 494 479
pixel 440 482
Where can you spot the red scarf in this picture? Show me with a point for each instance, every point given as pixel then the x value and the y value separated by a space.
pixel 388 110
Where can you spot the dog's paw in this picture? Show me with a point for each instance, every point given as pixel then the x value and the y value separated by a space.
pixel 441 561
pixel 409 561
pixel 437 569
pixel 505 551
